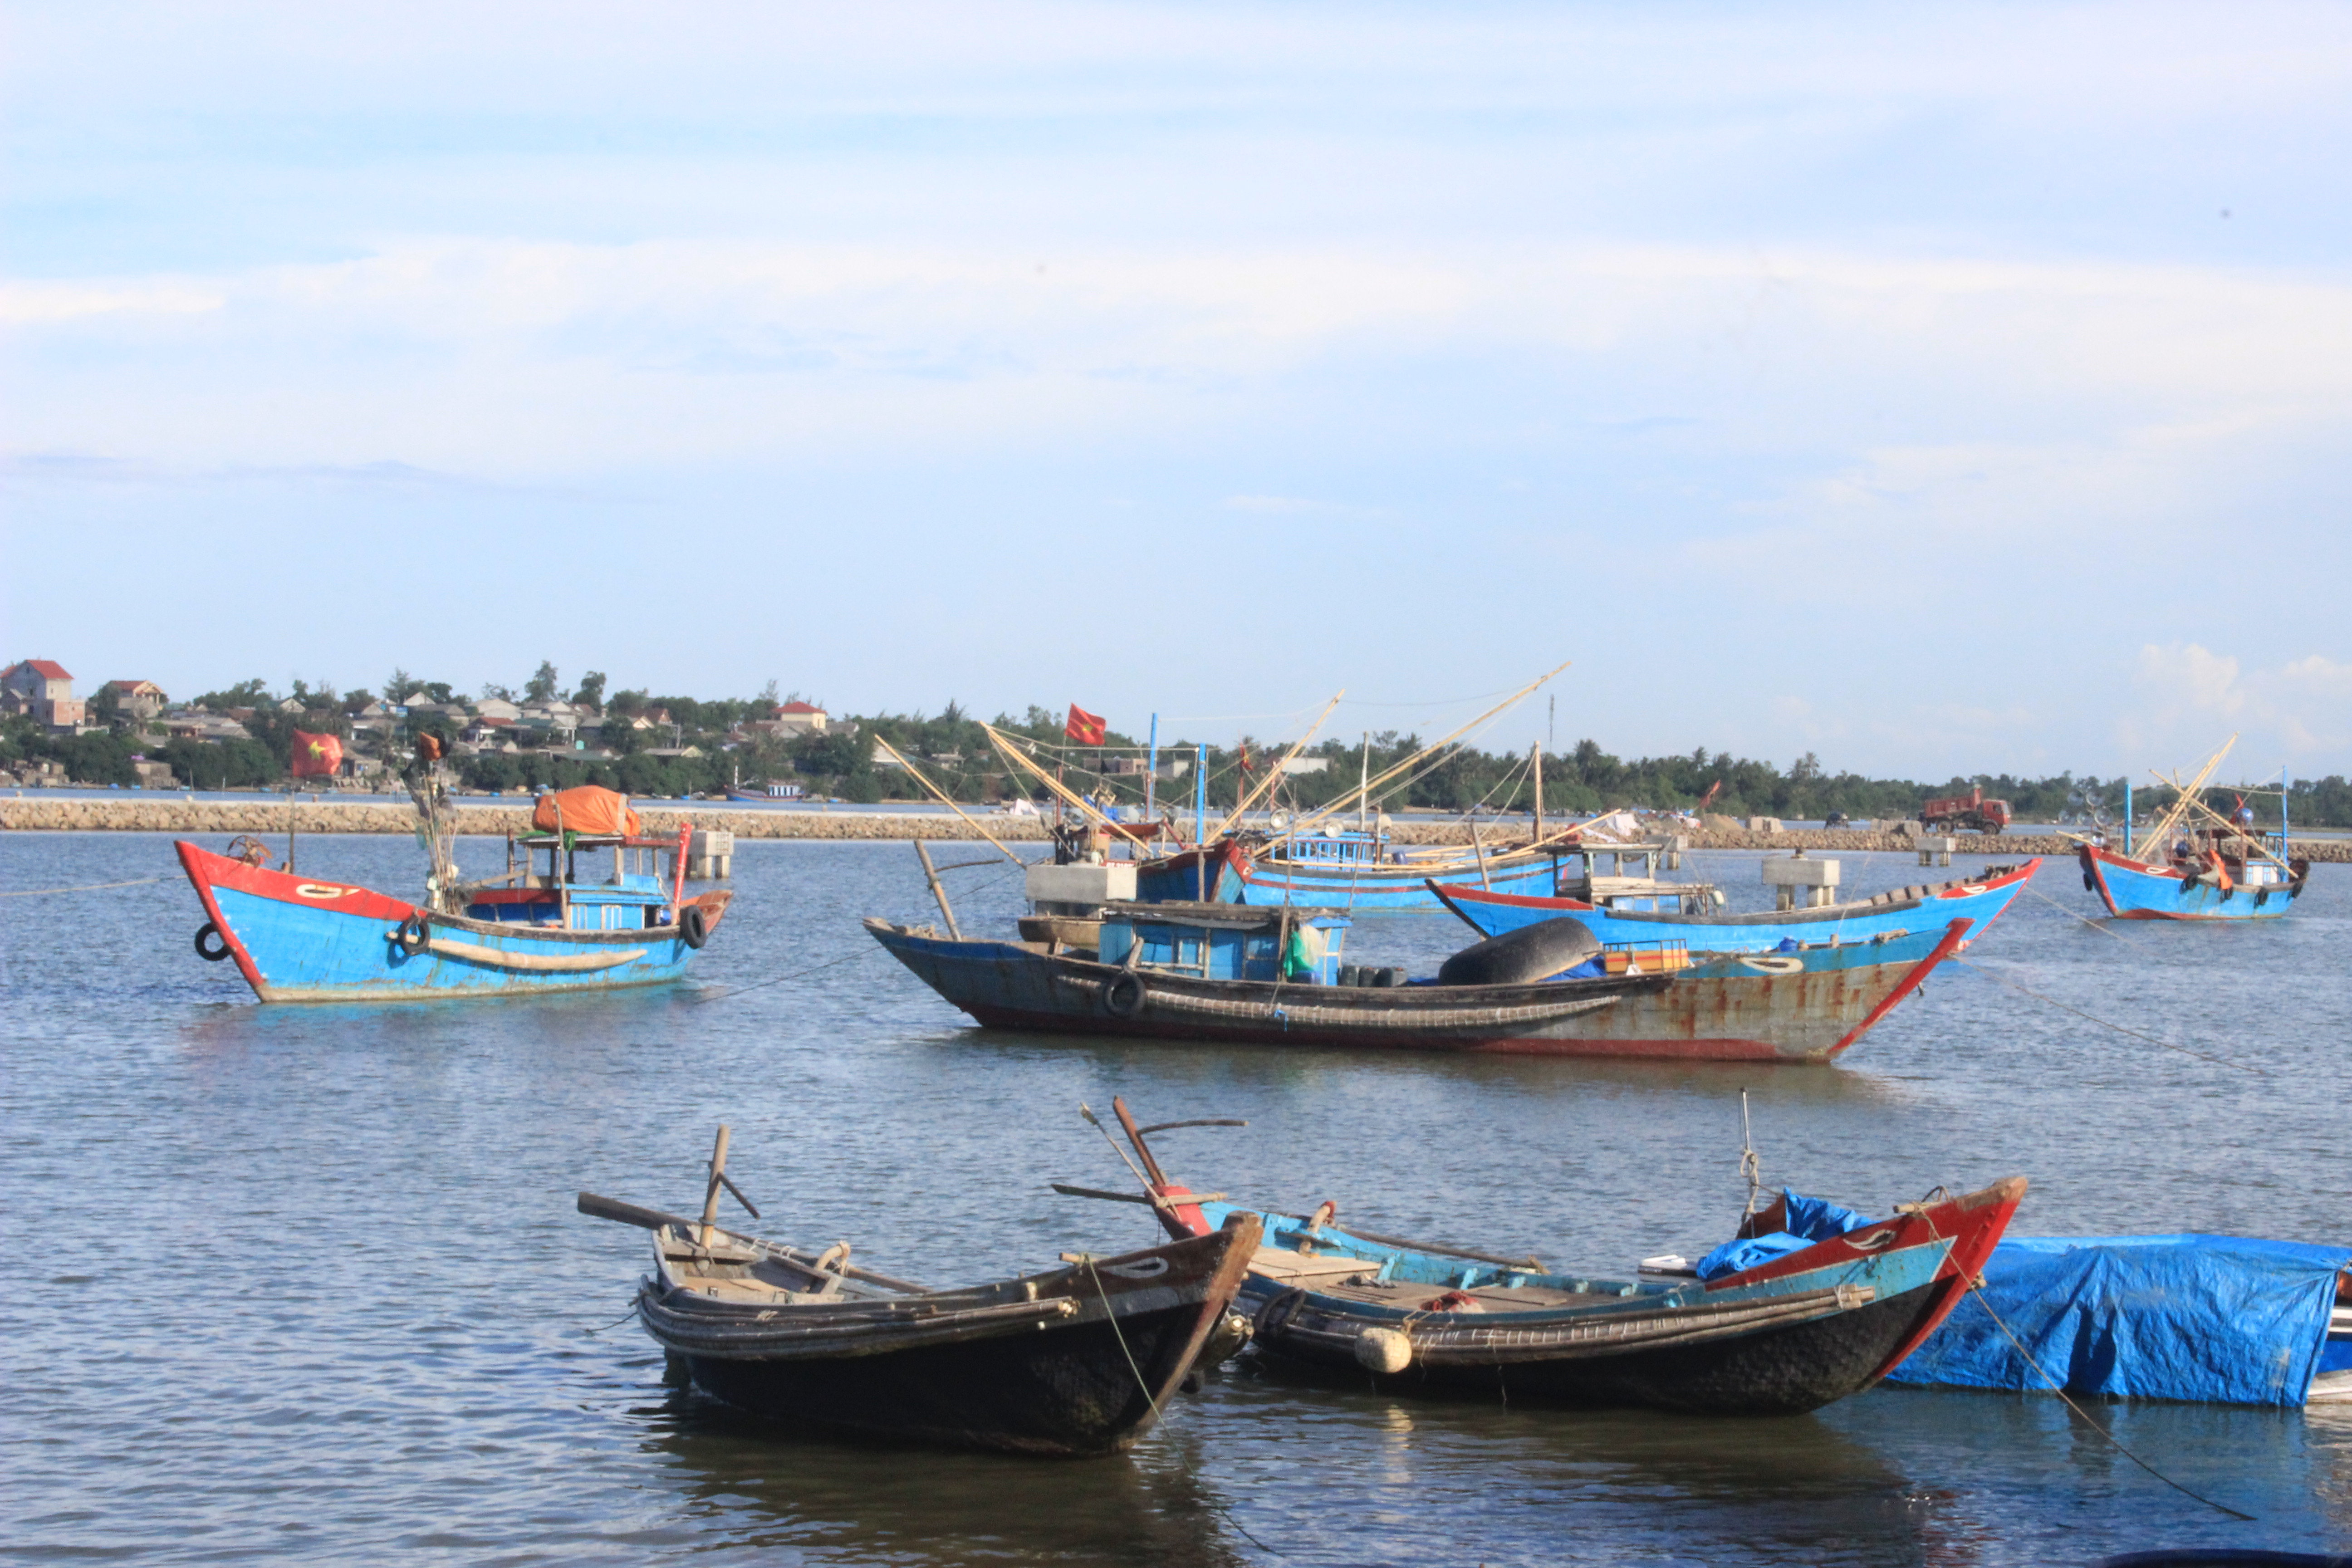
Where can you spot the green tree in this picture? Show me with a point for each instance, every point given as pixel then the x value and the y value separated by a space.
pixel 590 693
pixel 542 686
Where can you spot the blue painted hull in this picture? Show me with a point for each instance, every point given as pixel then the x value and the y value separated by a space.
pixel 2136 890
pixel 1791 1334
pixel 298 940
pixel 1797 1007
pixel 1932 908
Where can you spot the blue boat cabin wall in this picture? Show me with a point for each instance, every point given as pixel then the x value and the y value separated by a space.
pixel 630 900
pixel 1333 848
pixel 1233 952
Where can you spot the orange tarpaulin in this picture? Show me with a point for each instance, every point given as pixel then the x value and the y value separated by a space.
pixel 590 809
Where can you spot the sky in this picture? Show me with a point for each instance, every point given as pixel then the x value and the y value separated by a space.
pixel 1937 389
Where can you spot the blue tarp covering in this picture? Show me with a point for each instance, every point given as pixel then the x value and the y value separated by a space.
pixel 1809 1220
pixel 2212 1318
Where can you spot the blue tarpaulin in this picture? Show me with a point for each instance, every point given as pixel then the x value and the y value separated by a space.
pixel 2212 1318
pixel 1808 1220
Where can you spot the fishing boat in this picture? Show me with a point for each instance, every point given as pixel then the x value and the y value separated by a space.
pixel 1614 915
pixel 1239 975
pixel 2207 866
pixel 1078 1359
pixel 1807 1304
pixel 542 927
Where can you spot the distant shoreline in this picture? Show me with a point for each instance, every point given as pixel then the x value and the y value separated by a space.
pixel 393 814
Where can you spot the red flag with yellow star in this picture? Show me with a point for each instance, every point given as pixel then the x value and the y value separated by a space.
pixel 316 756
pixel 1086 729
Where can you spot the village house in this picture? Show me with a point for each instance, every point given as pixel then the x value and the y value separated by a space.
pixel 141 699
pixel 790 721
pixel 43 688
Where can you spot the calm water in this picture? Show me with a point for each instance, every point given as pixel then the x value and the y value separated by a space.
pixel 308 1284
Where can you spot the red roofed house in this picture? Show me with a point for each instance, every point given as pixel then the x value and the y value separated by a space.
pixel 42 688
pixel 139 699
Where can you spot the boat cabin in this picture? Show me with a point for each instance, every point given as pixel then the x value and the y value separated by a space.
pixel 1630 885
pixel 556 884
pixel 1333 847
pixel 1227 942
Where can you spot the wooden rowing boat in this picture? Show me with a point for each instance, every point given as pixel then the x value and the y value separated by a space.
pixel 1079 1359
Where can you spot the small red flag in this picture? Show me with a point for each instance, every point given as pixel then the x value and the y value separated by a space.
pixel 316 755
pixel 1246 762
pixel 1086 729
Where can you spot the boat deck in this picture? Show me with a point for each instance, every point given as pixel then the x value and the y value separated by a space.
pixel 1356 1279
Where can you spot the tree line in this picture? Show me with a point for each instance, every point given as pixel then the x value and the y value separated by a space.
pixel 954 752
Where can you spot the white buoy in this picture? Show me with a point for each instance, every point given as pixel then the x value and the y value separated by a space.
pixel 1384 1350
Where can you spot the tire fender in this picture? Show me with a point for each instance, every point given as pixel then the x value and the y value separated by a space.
pixel 209 953
pixel 693 926
pixel 1124 995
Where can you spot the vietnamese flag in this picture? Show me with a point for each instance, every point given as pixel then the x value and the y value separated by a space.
pixel 1085 728
pixel 316 755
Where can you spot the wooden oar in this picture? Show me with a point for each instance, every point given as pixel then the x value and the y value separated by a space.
pixel 599 1207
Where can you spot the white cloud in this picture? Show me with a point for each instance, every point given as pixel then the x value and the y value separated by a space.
pixel 2190 698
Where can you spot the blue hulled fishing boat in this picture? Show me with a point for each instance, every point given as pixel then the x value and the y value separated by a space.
pixel 2208 867
pixel 531 932
pixel 1807 1304
pixel 1619 917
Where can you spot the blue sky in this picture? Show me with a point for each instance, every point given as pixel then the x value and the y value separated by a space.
pixel 1931 388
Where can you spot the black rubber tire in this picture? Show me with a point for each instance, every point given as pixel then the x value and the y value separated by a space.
pixel 693 926
pixel 415 935
pixel 211 955
pixel 1124 997
pixel 1522 956
pixel 2090 883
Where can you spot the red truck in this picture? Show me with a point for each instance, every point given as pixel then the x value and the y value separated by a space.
pixel 1966 812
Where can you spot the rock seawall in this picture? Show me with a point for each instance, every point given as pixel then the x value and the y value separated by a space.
pixel 166 814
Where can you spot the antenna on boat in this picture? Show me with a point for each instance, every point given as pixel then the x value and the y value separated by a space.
pixel 1750 1166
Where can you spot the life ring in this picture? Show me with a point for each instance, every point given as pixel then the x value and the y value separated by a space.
pixel 693 926
pixel 211 955
pixel 1276 1315
pixel 1773 962
pixel 415 935
pixel 1124 995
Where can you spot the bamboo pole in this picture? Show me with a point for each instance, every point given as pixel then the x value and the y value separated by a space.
pixel 718 1178
pixel 2167 824
pixel 1061 790
pixel 931 875
pixel 1364 791
pixel 943 800
pixel 1265 785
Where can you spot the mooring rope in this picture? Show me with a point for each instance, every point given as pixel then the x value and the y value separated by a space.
pixel 1975 1289
pixel 85 888
pixel 2106 1024
pixel 2060 1391
pixel 2077 914
pixel 781 979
